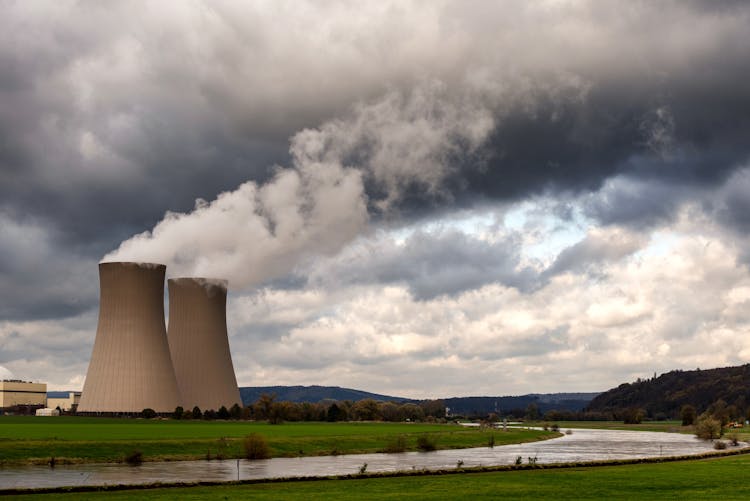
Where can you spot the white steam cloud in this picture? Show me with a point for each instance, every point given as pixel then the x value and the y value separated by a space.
pixel 258 232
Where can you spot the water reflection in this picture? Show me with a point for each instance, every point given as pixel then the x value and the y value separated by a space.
pixel 582 445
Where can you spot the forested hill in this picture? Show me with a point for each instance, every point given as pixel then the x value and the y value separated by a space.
pixel 470 406
pixel 519 405
pixel 250 394
pixel 666 394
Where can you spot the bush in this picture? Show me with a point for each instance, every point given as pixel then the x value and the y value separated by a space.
pixel 491 441
pixel 256 447
pixel 397 444
pixel 222 448
pixel 633 415
pixel 148 413
pixel 178 412
pixel 426 443
pixel 134 458
pixel 707 427
pixel 555 427
pixel 687 413
pixel 734 439
pixel 720 445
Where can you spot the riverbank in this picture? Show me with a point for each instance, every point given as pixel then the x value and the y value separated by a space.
pixel 74 440
pixel 694 477
pixel 581 447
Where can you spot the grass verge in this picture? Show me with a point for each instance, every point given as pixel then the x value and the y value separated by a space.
pixel 642 479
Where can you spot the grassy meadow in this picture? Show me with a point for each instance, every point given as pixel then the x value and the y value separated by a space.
pixel 34 440
pixel 663 426
pixel 720 478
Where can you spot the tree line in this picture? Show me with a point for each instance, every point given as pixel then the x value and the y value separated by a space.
pixel 267 408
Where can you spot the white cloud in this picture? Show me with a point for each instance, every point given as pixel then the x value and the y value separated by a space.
pixel 643 312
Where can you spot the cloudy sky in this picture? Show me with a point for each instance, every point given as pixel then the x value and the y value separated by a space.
pixel 425 199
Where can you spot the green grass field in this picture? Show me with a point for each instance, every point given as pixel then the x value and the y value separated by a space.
pixel 742 434
pixel 80 439
pixel 686 480
pixel 664 426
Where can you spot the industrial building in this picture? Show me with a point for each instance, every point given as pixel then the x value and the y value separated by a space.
pixel 135 364
pixel 65 400
pixel 130 368
pixel 199 344
pixel 15 393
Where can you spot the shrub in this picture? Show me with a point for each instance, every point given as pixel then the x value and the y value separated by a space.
pixel 687 413
pixel 568 432
pixel 555 427
pixel 491 441
pixel 397 444
pixel 148 413
pixel 178 412
pixel 256 447
pixel 734 439
pixel 134 458
pixel 519 460
pixel 222 447
pixel 720 445
pixel 426 443
pixel 633 415
pixel 707 427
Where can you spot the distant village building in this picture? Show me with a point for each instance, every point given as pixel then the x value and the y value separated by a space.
pixel 16 394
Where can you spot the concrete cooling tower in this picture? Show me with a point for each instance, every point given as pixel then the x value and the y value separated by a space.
pixel 130 368
pixel 199 345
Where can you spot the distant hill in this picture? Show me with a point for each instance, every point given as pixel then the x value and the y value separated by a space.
pixel 458 405
pixel 667 393
pixel 250 394
pixel 478 406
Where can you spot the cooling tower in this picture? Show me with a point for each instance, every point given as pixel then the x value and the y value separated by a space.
pixel 198 343
pixel 130 368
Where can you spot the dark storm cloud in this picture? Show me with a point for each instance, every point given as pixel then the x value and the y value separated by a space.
pixel 593 251
pixel 37 281
pixel 111 116
pixel 430 264
pixel 637 203
pixel 733 202
pixel 694 137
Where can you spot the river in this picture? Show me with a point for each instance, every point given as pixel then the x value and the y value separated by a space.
pixel 581 445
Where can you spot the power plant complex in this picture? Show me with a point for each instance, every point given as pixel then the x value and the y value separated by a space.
pixel 136 363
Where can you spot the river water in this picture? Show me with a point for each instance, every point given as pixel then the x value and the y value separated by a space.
pixel 581 445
